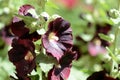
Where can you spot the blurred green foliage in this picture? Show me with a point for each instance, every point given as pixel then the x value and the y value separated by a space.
pixel 93 11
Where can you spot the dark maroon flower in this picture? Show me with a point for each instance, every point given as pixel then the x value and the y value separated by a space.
pixel 34 36
pixel 23 57
pixel 58 38
pixel 104 28
pixel 77 51
pixel 62 70
pixel 100 76
pixel 19 27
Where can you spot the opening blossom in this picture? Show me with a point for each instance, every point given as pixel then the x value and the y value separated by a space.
pixel 19 27
pixel 58 38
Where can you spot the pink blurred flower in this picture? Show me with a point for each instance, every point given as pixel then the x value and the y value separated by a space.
pixel 96 48
pixel 69 4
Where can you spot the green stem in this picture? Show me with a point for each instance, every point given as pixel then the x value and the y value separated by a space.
pixel 115 40
pixel 111 54
pixel 114 60
pixel 118 4
pixel 42 4
pixel 40 72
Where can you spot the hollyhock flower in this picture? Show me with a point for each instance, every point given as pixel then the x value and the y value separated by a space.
pixel 62 70
pixel 34 36
pixel 19 27
pixel 22 56
pixel 58 38
pixel 105 28
pixel 100 76
pixel 24 10
pixel 96 48
pixel 97 45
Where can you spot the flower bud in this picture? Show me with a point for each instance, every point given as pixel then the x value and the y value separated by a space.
pixel 114 13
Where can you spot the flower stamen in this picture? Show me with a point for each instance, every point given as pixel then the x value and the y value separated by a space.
pixel 29 56
pixel 52 37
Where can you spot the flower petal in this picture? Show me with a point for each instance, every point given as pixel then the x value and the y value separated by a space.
pixel 24 9
pixel 18 28
pixel 59 73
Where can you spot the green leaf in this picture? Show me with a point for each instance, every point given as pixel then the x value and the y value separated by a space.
pixel 52 5
pixel 46 67
pixel 77 75
pixel 114 13
pixel 42 58
pixel 112 54
pixel 30 22
pixel 34 77
pixel 27 19
pixel 44 76
pixel 105 37
pixel 45 62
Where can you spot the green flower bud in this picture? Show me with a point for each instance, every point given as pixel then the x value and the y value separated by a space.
pixel 114 13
